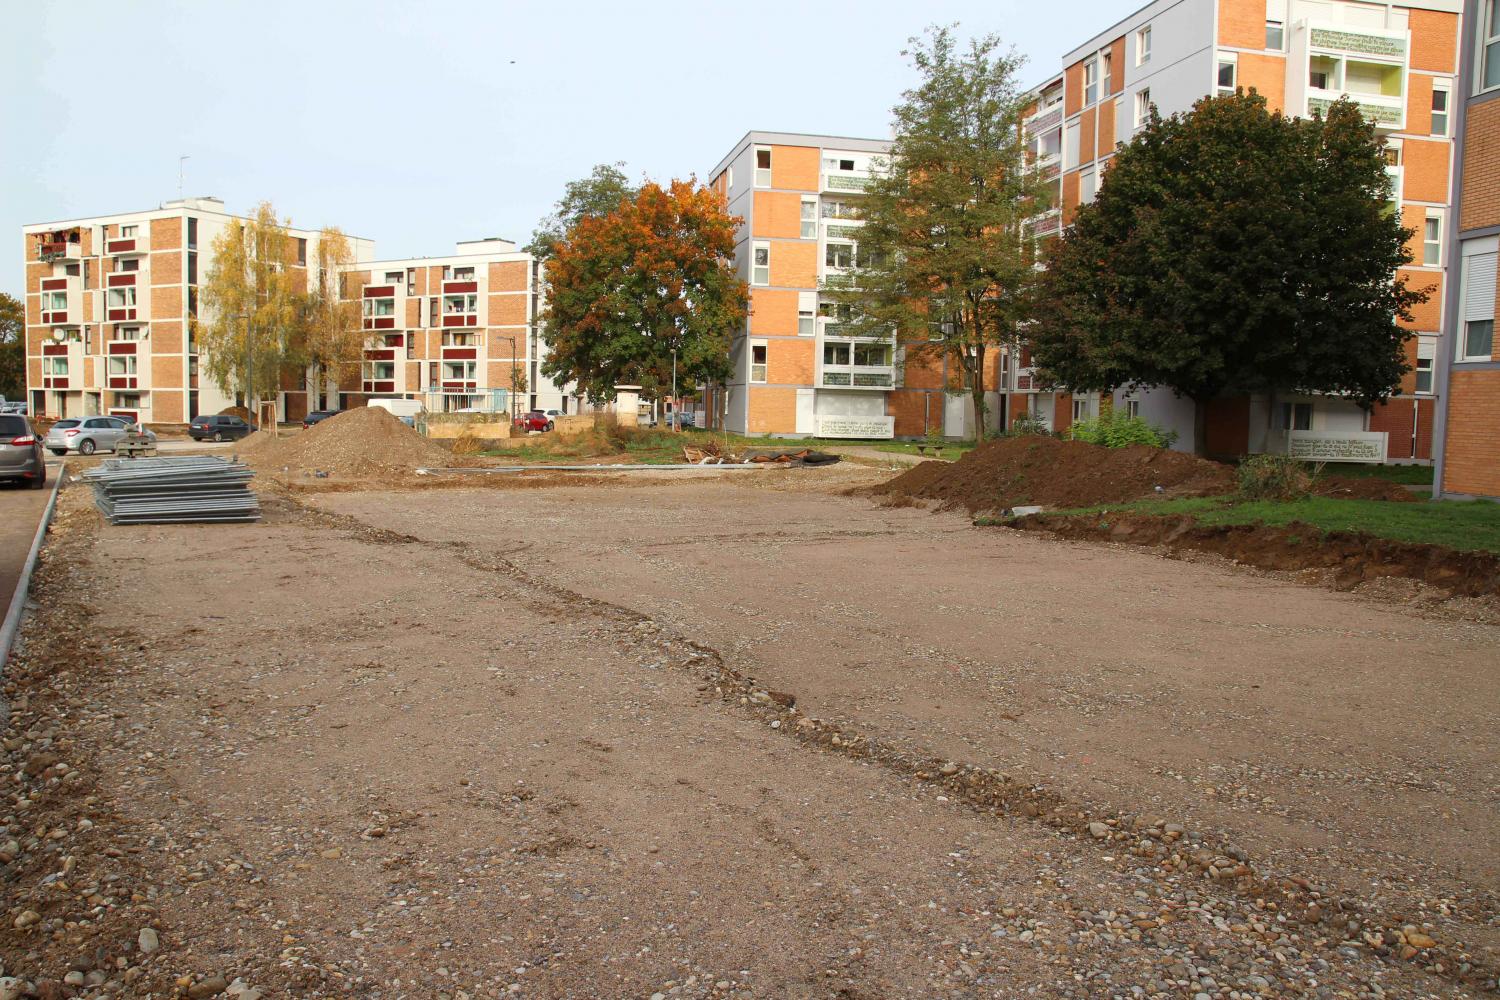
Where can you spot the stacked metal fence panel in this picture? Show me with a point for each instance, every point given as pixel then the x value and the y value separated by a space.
pixel 172 490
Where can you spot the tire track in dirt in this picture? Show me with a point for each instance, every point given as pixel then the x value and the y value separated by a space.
pixel 1224 869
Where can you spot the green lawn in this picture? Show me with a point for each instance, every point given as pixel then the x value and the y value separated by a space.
pixel 1456 524
pixel 1410 475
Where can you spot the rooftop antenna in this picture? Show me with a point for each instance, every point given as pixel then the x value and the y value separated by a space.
pixel 180 161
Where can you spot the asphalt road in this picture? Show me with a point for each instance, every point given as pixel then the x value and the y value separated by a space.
pixel 20 510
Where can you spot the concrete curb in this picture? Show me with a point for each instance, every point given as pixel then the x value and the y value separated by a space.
pixel 12 625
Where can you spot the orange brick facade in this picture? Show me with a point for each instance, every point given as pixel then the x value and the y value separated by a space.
pixel 1472 445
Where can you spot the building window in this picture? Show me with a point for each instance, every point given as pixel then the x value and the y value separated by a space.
pixel 192 233
pixel 838 208
pixel 1132 408
pixel 1476 295
pixel 1440 90
pixel 1143 46
pixel 1090 82
pixel 1228 64
pixel 760 271
pixel 193 302
pixel 872 355
pixel 1107 88
pixel 806 323
pixel 122 364
pixel 411 281
pixel 1275 36
pixel 463 274
pixel 393 277
pixel 758 362
pixel 453 305
pixel 1081 408
pixel 762 168
pixel 128 231
pixel 120 298
pixel 301 252
pixel 432 312
pixel 839 255
pixel 809 218
pixel 1490 77
pixel 380 307
pixel 1479 340
pixel 1142 106
pixel 1426 352
pixel 55 301
pixel 192 268
pixel 1432 240
pixel 1296 416
pixel 1087 186
pixel 836 354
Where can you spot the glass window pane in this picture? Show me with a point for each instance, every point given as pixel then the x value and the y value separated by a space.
pixel 1492 63
pixel 1479 338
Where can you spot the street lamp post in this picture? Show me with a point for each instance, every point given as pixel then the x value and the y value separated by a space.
pixel 676 423
pixel 249 363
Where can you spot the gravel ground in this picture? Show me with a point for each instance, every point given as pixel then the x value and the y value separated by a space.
pixel 728 738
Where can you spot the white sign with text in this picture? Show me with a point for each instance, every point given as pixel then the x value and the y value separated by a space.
pixel 856 427
pixel 1338 446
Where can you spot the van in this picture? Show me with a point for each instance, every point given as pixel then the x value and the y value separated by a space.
pixel 403 408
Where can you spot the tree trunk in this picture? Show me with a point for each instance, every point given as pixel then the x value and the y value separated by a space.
pixel 977 389
pixel 1200 426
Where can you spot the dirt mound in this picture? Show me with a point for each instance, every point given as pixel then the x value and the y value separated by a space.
pixel 1354 557
pixel 1361 488
pixel 1054 473
pixel 362 443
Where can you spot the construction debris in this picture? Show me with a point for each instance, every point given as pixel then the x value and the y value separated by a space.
pixel 172 490
pixel 712 455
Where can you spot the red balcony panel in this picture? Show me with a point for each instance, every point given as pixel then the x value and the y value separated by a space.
pixel 127 347
pixel 457 320
pixel 117 314
pixel 380 292
pixel 54 284
pixel 46 248
pixel 60 382
pixel 369 324
pixel 385 322
pixel 54 317
pixel 53 350
pixel 118 280
pixel 385 386
pixel 459 287
pixel 122 381
pixel 380 355
pixel 461 353
pixel 130 313
pixel 472 320
pixel 458 385
pixel 121 246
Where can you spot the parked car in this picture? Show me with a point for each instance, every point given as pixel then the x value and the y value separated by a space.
pixel 536 420
pixel 317 417
pixel 21 457
pixel 87 435
pixel 218 427
pixel 14 406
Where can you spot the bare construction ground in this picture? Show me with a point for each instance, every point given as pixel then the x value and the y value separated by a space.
pixel 730 737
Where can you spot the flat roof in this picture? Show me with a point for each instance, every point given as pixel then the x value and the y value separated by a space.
pixel 852 143
pixel 161 210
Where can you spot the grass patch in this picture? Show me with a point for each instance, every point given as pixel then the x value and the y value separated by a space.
pixel 951 450
pixel 1470 525
pixel 1410 475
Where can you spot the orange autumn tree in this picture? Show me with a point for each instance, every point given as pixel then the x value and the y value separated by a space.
pixel 627 288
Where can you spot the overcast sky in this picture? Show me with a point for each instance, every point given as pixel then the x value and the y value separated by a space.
pixel 418 124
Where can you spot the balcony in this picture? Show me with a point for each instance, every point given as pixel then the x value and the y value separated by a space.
pixel 1047 225
pixel 1026 380
pixel 55 246
pixel 126 246
pixel 859 377
pixel 1386 112
pixel 1366 41
pixel 1047 118
pixel 847 183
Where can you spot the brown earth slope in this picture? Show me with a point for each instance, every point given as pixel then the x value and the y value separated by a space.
pixel 1054 473
pixel 365 442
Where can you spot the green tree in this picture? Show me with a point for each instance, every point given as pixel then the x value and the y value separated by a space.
pixel 597 194
pixel 628 288
pixel 1233 250
pixel 330 333
pixel 12 347
pixel 944 260
pixel 251 310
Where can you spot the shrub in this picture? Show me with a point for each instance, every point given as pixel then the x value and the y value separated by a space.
pixel 1114 430
pixel 1275 477
pixel 1028 424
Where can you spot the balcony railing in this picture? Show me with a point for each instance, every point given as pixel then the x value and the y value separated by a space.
pixel 1369 43
pixel 859 377
pixel 1383 110
pixel 1045 119
pixel 846 182
pixel 49 250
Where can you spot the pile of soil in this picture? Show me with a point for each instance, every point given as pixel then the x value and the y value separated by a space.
pixel 1054 473
pixel 1353 557
pixel 1361 488
pixel 365 442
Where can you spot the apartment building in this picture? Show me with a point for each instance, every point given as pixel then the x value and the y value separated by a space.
pixel 109 304
pixel 1397 60
pixel 455 332
pixel 1468 462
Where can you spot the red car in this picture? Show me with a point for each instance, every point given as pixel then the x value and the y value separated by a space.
pixel 536 420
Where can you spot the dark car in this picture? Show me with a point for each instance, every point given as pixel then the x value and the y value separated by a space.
pixel 218 427
pixel 536 420
pixel 21 457
pixel 318 416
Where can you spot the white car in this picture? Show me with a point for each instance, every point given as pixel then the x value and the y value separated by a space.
pixel 87 435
